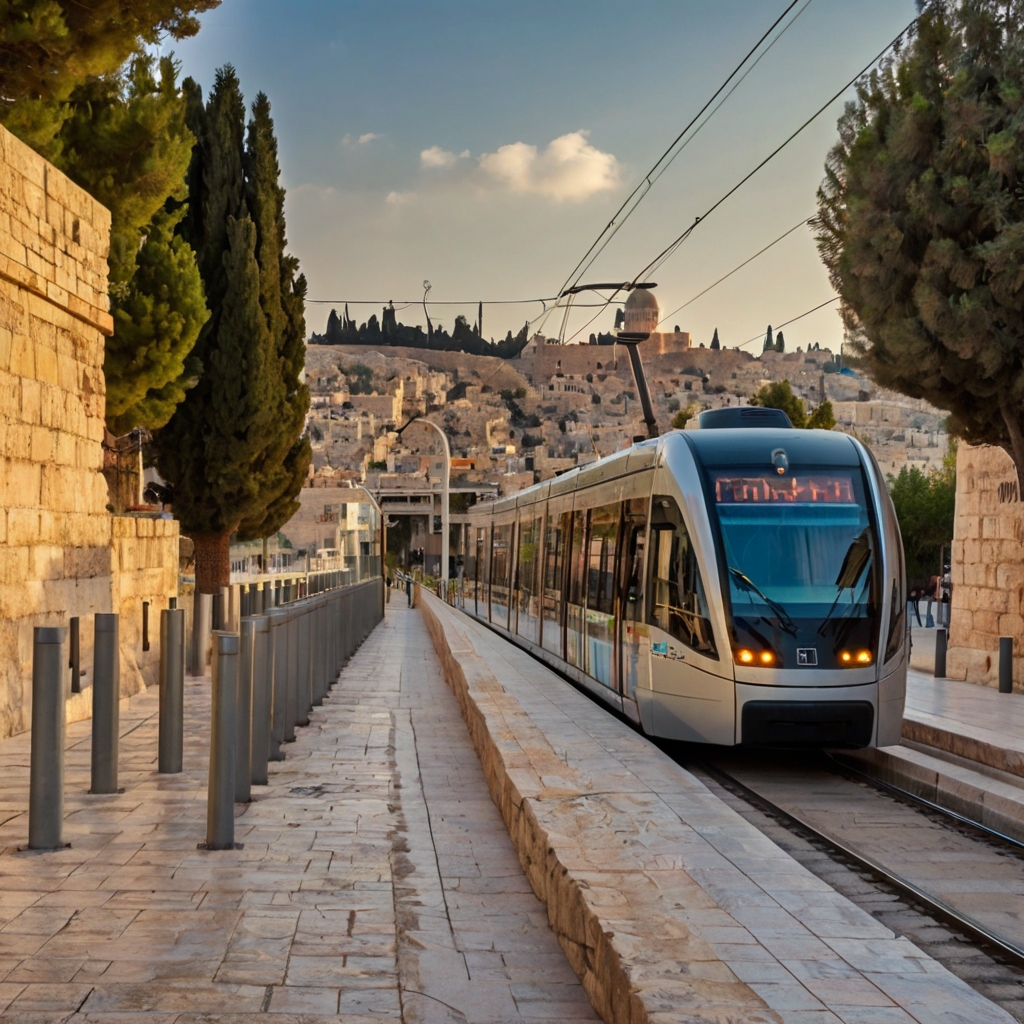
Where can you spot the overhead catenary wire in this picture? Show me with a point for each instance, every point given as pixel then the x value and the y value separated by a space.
pixel 792 320
pixel 667 252
pixel 624 211
pixel 738 267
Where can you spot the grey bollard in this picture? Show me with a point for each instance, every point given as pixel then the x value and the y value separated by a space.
pixel 1006 664
pixel 202 610
pixel 172 691
pixel 76 656
pixel 940 653
pixel 106 704
pixel 243 713
pixel 46 770
pixel 220 797
pixel 292 675
pixel 261 702
pixel 279 681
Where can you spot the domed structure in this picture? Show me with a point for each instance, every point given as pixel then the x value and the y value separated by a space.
pixel 642 312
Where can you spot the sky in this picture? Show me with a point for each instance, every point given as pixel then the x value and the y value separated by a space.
pixel 484 144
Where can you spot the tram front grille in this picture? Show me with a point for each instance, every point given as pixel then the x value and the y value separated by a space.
pixel 807 723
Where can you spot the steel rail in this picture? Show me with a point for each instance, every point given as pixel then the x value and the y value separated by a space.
pixel 935 906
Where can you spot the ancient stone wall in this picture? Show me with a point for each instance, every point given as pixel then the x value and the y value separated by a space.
pixel 62 553
pixel 987 569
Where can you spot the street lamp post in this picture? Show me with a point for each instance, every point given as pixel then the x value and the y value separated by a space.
pixel 445 485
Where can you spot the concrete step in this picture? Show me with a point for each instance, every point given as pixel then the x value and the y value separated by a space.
pixel 984 794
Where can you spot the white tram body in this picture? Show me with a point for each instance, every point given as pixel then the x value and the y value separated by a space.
pixel 719 586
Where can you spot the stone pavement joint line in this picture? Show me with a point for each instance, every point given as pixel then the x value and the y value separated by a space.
pixel 376 880
pixel 669 906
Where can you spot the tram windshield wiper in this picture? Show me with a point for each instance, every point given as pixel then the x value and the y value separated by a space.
pixel 780 613
pixel 856 560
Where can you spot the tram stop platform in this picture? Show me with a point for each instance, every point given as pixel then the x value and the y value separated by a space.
pixel 669 905
pixel 457 836
pixel 962 748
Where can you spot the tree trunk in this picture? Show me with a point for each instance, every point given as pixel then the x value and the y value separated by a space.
pixel 213 562
pixel 1011 411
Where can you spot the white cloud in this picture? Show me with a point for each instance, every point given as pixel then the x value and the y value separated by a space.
pixel 400 198
pixel 569 168
pixel 438 157
pixel 369 137
pixel 346 139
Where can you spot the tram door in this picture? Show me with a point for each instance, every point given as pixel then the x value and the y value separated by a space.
pixel 633 640
pixel 576 591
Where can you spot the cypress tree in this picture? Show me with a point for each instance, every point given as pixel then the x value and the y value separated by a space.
pixel 226 449
pixel 780 342
pixel 715 343
pixel 769 344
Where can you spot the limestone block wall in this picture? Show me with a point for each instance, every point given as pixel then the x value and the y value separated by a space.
pixel 61 551
pixel 987 568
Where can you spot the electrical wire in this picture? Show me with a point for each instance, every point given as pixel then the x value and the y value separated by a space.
pixel 667 252
pixel 646 183
pixel 793 320
pixel 724 277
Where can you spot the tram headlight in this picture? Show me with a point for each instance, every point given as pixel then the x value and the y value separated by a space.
pixel 851 659
pixel 745 657
pixel 767 658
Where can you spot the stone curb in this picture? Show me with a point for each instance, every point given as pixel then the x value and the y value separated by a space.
pixel 626 984
pixel 968 743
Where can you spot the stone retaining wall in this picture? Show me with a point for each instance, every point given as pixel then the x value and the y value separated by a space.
pixel 61 551
pixel 987 567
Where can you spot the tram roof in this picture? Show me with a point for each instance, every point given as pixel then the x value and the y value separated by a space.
pixel 745 447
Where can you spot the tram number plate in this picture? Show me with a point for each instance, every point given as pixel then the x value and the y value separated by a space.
pixel 807 656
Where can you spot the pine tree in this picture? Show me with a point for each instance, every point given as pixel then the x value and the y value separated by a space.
pixel 769 344
pixel 921 220
pixel 148 364
pixel 49 48
pixel 715 344
pixel 233 448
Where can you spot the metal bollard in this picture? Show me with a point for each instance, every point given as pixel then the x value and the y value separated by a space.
pixel 172 691
pixel 76 656
pixel 261 702
pixel 220 799
pixel 1006 664
pixel 202 610
pixel 243 713
pixel 145 625
pixel 279 681
pixel 217 611
pixel 304 697
pixel 46 770
pixel 940 653
pixel 106 703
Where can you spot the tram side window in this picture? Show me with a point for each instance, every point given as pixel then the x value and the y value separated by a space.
pixel 678 602
pixel 633 557
pixel 604 530
pixel 577 585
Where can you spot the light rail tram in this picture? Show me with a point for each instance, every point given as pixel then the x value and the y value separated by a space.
pixel 724 585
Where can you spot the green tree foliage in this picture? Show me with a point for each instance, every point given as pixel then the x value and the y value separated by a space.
pixel 124 139
pixel 779 395
pixel 233 450
pixel 157 319
pixel 49 48
pixel 683 416
pixel 921 219
pixel 822 418
pixel 924 506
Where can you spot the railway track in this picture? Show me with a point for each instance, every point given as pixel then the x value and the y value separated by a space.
pixel 952 886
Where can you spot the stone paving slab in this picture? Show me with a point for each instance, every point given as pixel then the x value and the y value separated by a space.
pixel 669 906
pixel 376 882
pixel 971 721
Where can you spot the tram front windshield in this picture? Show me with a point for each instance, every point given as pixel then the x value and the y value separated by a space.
pixel 801 560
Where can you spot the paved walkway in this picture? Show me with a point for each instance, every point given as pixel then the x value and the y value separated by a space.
pixel 376 879
pixel 972 721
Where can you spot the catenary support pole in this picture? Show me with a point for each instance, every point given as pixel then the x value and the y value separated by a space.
pixel 220 800
pixel 106 703
pixel 46 770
